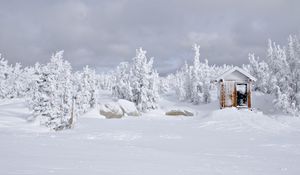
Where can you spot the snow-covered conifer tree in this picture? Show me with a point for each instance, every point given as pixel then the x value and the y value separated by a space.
pixel 260 70
pixel 196 84
pixel 206 81
pixel 193 82
pixel 85 89
pixel 293 59
pixel 143 77
pixel 280 74
pixel 105 81
pixel 137 82
pixel 122 88
pixel 52 99
pixel 5 73
pixel 164 85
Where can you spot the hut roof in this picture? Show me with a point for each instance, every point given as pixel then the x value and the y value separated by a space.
pixel 235 69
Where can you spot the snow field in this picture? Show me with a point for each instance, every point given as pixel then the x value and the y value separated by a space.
pixel 227 141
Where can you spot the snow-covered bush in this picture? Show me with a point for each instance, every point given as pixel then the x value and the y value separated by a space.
pixel 137 82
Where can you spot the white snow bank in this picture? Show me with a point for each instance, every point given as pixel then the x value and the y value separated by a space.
pixel 213 142
pixel 244 120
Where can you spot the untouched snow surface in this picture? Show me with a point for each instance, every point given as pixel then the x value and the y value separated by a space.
pixel 213 141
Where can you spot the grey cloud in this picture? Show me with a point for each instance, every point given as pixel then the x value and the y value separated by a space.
pixel 103 33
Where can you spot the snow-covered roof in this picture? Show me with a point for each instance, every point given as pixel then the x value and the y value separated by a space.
pixel 227 74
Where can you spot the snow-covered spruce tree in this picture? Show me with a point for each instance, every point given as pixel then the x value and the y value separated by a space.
pixel 89 78
pixel 52 99
pixel 281 78
pixel 179 86
pixel 171 81
pixel 26 78
pixel 43 100
pixel 14 80
pixel 293 59
pixel 206 81
pixel 196 83
pixel 260 70
pixel 62 69
pixel 78 90
pixel 193 82
pixel 183 86
pixel 5 73
pixel 279 66
pixel 122 84
pixel 105 81
pixel 164 85
pixel 282 101
pixel 143 81
pixel 34 95
pixel 282 75
pixel 18 81
pixel 137 82
pixel 85 89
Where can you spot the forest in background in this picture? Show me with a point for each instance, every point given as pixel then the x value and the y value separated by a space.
pixel 57 95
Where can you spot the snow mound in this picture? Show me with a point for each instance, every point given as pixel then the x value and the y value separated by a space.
pixel 244 120
pixel 128 107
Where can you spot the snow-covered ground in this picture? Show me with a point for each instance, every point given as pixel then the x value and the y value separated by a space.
pixel 214 141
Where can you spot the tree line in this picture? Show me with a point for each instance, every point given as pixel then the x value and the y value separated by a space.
pixel 57 95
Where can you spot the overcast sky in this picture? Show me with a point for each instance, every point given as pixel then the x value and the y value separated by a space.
pixel 102 33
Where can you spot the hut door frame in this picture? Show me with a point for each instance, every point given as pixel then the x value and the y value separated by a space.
pixel 241 99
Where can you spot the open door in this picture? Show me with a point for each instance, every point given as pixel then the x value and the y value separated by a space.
pixel 241 95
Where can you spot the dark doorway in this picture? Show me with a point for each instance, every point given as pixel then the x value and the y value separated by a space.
pixel 241 94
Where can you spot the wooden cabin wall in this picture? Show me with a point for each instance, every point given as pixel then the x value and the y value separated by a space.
pixel 228 94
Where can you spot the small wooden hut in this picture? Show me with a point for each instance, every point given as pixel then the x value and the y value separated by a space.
pixel 235 88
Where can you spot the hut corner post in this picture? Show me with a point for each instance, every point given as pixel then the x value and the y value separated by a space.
pixel 249 94
pixel 222 95
pixel 234 95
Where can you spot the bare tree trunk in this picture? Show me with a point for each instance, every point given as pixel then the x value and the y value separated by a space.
pixel 72 120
